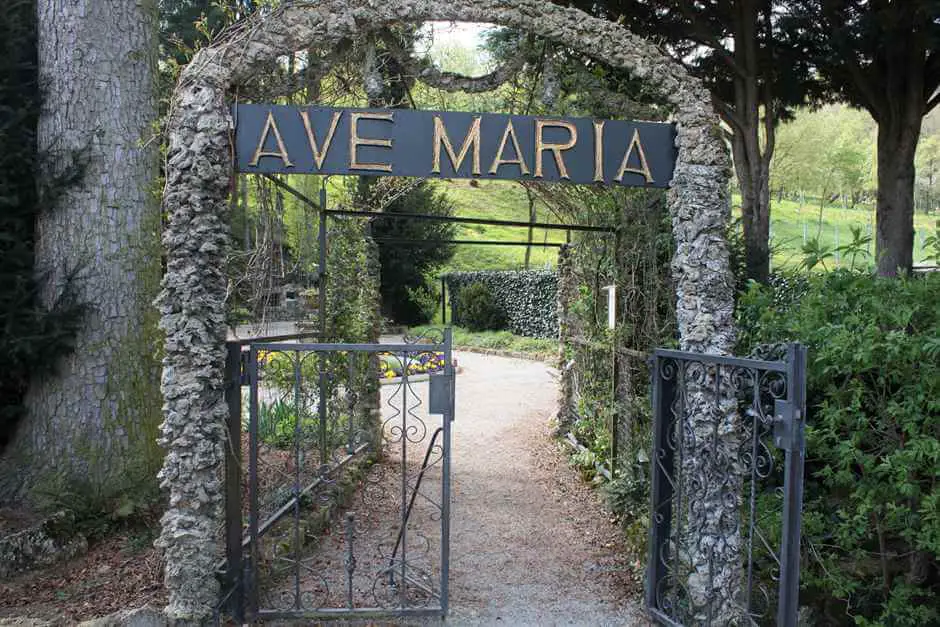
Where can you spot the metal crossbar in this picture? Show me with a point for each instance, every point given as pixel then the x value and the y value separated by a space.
pixel 467 220
pixel 421 243
pixel 359 213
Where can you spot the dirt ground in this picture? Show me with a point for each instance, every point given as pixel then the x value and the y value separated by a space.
pixel 531 543
pixel 119 572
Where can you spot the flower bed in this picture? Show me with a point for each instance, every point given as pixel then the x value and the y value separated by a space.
pixel 428 362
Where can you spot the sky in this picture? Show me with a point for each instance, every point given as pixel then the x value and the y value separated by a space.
pixel 464 34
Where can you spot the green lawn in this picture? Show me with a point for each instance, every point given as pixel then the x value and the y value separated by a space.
pixel 499 200
pixel 790 224
pixel 506 200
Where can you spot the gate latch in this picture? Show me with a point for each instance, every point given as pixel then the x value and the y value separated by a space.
pixel 787 426
pixel 440 393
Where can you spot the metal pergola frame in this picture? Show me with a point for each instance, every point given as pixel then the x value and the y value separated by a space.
pixel 325 213
pixel 372 215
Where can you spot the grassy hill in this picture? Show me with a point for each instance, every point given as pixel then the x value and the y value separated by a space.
pixel 791 225
pixel 506 200
pixel 497 200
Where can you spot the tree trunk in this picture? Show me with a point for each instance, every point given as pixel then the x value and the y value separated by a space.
pixel 751 165
pixel 94 424
pixel 755 212
pixel 750 168
pixel 894 216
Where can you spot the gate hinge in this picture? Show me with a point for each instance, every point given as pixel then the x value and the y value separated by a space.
pixel 440 393
pixel 788 426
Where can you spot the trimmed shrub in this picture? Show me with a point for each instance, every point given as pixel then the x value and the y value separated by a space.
pixel 407 297
pixel 526 298
pixel 871 518
pixel 478 309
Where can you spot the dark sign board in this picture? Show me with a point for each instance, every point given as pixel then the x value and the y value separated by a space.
pixel 428 144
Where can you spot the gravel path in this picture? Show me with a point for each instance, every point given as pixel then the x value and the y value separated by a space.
pixel 531 543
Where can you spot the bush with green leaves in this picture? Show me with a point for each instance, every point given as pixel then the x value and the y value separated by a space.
pixel 871 518
pixel 526 299
pixel 479 311
pixel 407 296
pixel 278 428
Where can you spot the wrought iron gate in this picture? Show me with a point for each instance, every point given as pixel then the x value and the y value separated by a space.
pixel 347 498
pixel 727 482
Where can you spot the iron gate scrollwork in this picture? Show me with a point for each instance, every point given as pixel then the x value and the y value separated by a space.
pixel 727 485
pixel 347 502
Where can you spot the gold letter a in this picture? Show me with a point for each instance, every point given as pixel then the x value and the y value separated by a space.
pixel 269 126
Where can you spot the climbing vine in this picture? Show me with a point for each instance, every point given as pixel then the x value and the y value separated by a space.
pixel 605 379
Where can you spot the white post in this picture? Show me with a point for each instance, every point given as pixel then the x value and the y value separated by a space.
pixel 611 305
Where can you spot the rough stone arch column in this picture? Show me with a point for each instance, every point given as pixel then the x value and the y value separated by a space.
pixel 199 175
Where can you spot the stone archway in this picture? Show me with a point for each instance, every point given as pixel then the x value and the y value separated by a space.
pixel 199 171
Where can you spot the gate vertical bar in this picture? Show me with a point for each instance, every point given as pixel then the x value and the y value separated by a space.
pixel 253 598
pixel 321 315
pixel 443 300
pixel 403 592
pixel 615 364
pixel 788 603
pixel 298 462
pixel 445 469
pixel 662 467
pixel 233 480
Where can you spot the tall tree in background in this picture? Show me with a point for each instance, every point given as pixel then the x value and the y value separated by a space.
pixel 187 24
pixel 94 422
pixel 31 337
pixel 406 296
pixel 884 57
pixel 755 76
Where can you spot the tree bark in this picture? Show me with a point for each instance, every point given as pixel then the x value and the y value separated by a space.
pixel 94 423
pixel 894 215
pixel 751 165
pixel 753 180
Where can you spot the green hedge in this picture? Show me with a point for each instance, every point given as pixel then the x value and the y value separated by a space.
pixel 871 516
pixel 526 297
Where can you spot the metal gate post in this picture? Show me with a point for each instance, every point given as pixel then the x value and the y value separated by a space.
pixel 443 300
pixel 662 467
pixel 233 481
pixel 251 584
pixel 615 364
pixel 321 314
pixel 446 421
pixel 321 266
pixel 788 603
